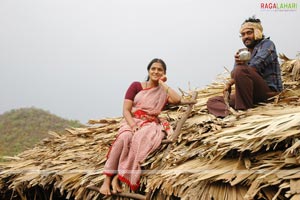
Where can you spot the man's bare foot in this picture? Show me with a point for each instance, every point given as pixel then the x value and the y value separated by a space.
pixel 116 187
pixel 105 188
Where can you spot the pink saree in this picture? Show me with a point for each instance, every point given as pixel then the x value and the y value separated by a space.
pixel 130 150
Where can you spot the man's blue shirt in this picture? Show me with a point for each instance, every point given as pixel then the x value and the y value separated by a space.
pixel 264 58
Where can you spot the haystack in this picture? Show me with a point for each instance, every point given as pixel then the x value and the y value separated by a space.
pixel 251 154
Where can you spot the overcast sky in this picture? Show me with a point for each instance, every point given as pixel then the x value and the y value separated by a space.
pixel 76 58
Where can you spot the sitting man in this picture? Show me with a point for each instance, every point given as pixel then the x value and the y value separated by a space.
pixel 255 79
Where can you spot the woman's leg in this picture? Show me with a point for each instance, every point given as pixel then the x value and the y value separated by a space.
pixel 147 139
pixel 116 187
pixel 118 151
pixel 105 188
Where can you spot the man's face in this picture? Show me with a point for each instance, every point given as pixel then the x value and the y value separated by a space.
pixel 248 38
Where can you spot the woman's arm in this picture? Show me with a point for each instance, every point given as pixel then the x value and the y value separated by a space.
pixel 127 107
pixel 174 97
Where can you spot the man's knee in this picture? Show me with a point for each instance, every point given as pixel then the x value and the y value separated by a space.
pixel 240 71
pixel 243 70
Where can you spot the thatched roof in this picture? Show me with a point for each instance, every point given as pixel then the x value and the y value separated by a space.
pixel 253 154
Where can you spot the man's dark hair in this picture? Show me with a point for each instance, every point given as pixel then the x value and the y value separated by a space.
pixel 252 19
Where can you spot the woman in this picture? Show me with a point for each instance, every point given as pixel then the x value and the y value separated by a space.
pixel 141 131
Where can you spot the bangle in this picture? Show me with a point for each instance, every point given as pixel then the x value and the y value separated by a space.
pixel 167 91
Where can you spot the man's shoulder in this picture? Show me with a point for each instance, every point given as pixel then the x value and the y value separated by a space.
pixel 266 42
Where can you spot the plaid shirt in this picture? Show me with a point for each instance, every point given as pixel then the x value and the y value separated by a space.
pixel 264 58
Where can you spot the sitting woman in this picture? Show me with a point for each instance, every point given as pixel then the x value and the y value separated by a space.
pixel 141 130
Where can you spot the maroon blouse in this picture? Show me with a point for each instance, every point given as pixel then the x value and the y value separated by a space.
pixel 133 89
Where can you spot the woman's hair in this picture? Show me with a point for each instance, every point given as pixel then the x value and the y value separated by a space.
pixel 157 60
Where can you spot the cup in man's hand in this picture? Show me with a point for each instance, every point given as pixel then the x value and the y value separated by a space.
pixel 244 55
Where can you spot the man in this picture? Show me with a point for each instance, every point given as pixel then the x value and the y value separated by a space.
pixel 255 80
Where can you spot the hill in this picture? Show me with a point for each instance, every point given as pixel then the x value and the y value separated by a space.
pixel 21 129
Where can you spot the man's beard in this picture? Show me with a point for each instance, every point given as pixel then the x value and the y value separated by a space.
pixel 252 44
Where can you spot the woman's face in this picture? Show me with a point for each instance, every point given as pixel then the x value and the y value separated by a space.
pixel 156 71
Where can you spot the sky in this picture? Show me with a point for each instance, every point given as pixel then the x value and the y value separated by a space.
pixel 76 58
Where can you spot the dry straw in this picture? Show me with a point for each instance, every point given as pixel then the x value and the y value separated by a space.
pixel 247 155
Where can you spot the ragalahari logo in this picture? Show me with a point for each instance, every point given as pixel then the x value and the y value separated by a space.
pixel 278 6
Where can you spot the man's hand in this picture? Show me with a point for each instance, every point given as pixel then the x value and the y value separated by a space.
pixel 237 59
pixel 227 87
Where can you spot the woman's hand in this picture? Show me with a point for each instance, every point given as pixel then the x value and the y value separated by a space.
pixel 134 128
pixel 162 79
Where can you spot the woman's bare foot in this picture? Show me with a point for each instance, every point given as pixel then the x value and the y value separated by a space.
pixel 105 188
pixel 116 187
